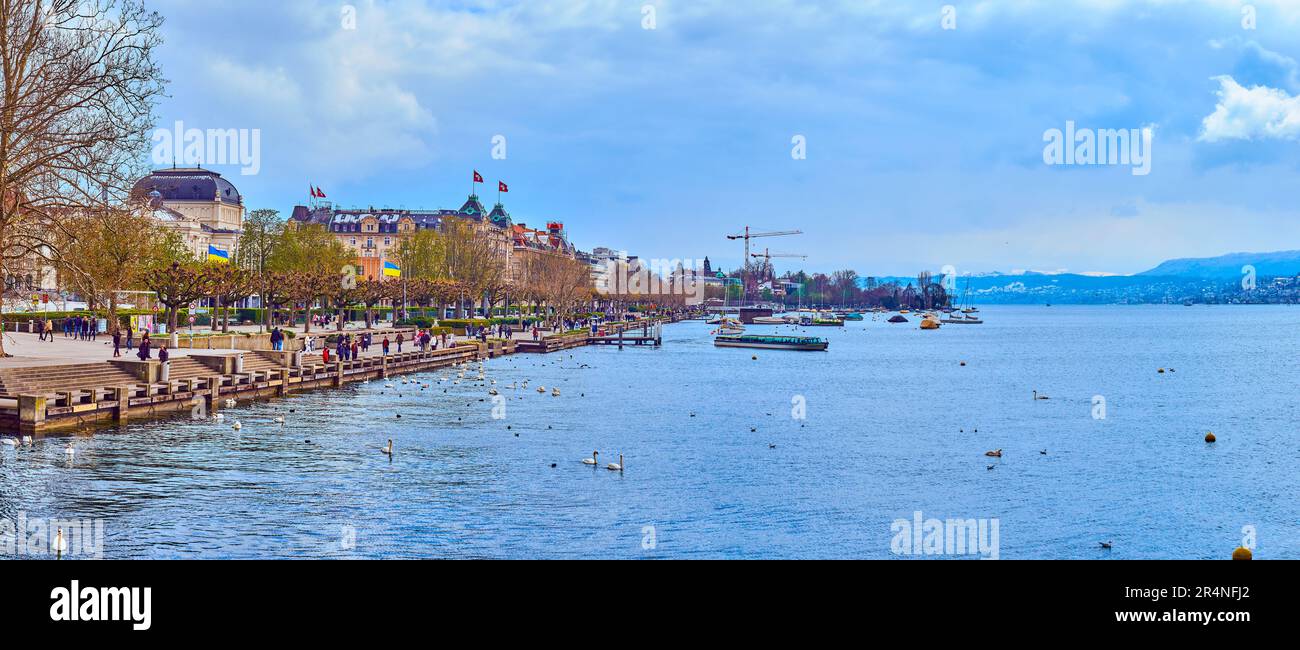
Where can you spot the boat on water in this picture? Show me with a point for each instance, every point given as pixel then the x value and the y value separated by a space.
pixel 730 326
pixel 769 320
pixel 958 319
pixel 801 343
pixel 851 316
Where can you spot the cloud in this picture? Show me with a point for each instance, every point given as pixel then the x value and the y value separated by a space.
pixel 1258 112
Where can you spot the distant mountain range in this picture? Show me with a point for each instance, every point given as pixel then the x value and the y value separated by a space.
pixel 1200 280
pixel 1281 263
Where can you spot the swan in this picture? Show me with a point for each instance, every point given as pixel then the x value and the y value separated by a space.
pixel 388 385
pixel 70 450
pixel 279 420
pixel 10 442
pixel 219 416
pixel 541 389
pixel 592 460
pixel 236 426
pixel 996 453
pixel 387 451
pixel 616 467
pixel 230 402
pixel 60 544
pixel 492 391
pixel 555 392
pixel 1037 396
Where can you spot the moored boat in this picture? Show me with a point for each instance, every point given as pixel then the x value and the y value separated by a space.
pixel 802 343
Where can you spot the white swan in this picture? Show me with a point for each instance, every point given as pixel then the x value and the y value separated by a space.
pixel 60 544
pixel 387 451
pixel 27 440
pixel 592 460
pixel 70 450
pixel 279 419
pixel 9 442
pixel 219 416
pixel 616 467
pixel 236 426
pixel 230 402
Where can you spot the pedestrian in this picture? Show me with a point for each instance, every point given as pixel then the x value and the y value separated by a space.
pixel 385 346
pixel 117 343
pixel 400 339
pixel 163 355
pixel 355 346
pixel 49 330
pixel 144 349
pixel 130 336
pixel 325 355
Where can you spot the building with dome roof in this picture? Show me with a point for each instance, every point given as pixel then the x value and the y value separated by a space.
pixel 205 208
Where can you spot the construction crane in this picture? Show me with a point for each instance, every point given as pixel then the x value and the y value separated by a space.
pixel 752 235
pixel 768 255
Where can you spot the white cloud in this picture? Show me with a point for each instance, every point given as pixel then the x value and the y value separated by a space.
pixel 1250 113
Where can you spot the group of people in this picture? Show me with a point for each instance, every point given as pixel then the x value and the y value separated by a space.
pixel 352 346
pixel 83 328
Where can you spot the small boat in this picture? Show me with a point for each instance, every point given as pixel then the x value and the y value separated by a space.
pixel 769 320
pixel 730 326
pixel 803 343
pixel 851 316
pixel 962 320
pixel 897 319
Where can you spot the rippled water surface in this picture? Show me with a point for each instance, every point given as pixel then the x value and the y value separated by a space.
pixel 890 430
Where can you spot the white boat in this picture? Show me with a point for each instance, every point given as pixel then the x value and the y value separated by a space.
pixel 769 320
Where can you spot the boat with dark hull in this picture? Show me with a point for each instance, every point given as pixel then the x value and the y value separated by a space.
pixel 802 343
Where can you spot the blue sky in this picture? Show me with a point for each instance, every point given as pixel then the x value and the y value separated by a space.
pixel 924 144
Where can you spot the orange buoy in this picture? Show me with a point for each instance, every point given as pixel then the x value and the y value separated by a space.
pixel 1242 553
pixel 1209 437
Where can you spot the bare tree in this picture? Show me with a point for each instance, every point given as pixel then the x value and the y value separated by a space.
pixel 80 85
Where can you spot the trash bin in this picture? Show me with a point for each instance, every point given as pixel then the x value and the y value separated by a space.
pixel 239 363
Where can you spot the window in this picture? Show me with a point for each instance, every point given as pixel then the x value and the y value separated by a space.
pixel 388 241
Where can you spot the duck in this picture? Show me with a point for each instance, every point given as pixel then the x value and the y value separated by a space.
pixel 236 426
pixel 996 453
pixel 1037 396
pixel 555 392
pixel 592 460
pixel 387 451
pixel 541 389
pixel 1107 544
pixel 616 467
pixel 492 391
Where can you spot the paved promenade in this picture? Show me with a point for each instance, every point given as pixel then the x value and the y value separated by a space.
pixel 28 350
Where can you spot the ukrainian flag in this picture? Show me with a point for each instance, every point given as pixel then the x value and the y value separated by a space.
pixel 392 270
pixel 217 255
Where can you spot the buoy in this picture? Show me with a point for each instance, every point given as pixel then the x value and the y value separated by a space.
pixel 1209 437
pixel 1242 553
pixel 963 364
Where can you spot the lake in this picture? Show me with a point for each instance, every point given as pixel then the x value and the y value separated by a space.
pixel 792 455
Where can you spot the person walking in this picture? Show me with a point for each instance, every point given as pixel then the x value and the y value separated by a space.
pixel 117 343
pixel 49 330
pixel 400 339
pixel 325 355
pixel 130 336
pixel 144 349
pixel 385 346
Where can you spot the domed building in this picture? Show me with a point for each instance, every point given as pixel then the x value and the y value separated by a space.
pixel 204 207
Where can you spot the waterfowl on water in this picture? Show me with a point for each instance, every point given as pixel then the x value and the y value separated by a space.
pixel 10 442
pixel 279 419
pixel 616 467
pixel 1107 544
pixel 592 460
pixel 236 426
pixel 60 543
pixel 387 451
pixel 70 450
pixel 996 453
pixel 1037 396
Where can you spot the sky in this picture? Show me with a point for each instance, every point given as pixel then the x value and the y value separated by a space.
pixel 896 135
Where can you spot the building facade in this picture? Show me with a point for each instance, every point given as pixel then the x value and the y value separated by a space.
pixel 206 209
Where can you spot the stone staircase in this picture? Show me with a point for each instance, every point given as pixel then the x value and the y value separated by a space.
pixel 48 380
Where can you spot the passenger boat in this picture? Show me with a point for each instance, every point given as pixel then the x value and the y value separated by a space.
pixel 803 343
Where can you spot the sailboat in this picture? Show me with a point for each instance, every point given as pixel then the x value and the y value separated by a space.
pixel 966 314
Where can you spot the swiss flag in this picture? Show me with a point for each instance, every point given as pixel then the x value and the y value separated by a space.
pixel 502 187
pixel 477 177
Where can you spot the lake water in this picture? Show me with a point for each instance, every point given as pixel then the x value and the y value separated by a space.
pixel 890 430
